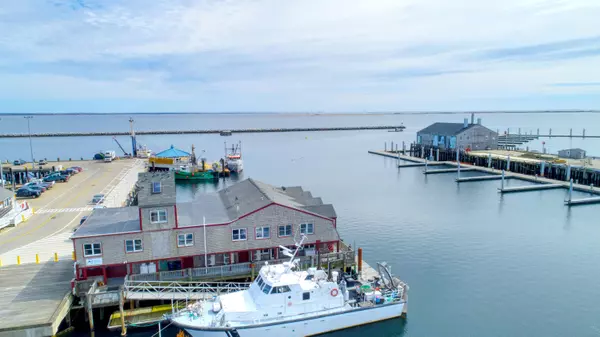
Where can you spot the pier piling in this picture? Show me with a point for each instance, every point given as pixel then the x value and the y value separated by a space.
pixel 502 183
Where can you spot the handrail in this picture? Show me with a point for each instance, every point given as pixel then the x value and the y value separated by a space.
pixel 304 262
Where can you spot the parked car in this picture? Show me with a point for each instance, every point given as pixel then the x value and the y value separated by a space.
pixel 68 172
pixel 19 162
pixel 77 168
pixel 99 206
pixel 82 220
pixel 36 186
pixel 27 192
pixel 47 185
pixel 98 199
pixel 42 162
pixel 56 177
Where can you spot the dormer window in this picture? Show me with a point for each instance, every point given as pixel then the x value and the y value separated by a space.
pixel 156 187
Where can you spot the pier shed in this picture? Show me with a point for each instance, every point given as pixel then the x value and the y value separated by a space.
pixel 575 153
pixel 458 135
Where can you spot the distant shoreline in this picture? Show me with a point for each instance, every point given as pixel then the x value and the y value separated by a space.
pixel 300 113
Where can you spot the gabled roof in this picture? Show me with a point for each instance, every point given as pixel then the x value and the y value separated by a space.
pixel 445 129
pixel 172 152
pixel 5 194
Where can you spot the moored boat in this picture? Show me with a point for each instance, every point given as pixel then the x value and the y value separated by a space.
pixel 234 158
pixel 284 302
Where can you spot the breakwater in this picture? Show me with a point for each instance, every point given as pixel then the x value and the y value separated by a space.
pixel 184 132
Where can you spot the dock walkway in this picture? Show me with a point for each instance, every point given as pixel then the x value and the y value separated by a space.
pixel 34 298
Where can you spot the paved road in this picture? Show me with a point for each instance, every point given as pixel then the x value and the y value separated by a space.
pixel 97 177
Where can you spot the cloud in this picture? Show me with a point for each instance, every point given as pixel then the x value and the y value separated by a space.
pixel 297 55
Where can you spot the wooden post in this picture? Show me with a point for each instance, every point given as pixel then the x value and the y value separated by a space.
pixel 359 262
pixel 252 272
pixel 121 311
pixel 90 312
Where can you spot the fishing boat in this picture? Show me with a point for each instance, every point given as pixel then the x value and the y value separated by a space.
pixel 233 158
pixel 285 302
pixel 398 129
pixel 195 171
pixel 144 152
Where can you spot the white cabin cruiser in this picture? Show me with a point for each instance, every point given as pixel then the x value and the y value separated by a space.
pixel 283 302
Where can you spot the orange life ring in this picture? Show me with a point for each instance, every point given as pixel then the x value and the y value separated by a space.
pixel 334 292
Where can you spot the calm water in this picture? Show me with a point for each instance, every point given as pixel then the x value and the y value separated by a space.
pixel 479 264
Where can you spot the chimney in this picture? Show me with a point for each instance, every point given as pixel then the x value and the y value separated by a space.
pixel 472 118
pixel 466 123
pixel 479 121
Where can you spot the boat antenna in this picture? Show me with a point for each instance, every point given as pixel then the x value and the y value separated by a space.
pixel 292 255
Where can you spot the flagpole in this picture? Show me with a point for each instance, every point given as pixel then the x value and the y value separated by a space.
pixel 205 250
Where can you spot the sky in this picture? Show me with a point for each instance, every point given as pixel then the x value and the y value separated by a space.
pixel 298 55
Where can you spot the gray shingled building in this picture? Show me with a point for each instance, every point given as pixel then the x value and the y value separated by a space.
pixel 575 153
pixel 462 135
pixel 245 222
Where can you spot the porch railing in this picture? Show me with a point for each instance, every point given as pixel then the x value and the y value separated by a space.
pixel 242 269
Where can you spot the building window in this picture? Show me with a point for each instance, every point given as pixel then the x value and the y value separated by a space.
pixel 305 296
pixel 133 246
pixel 285 230
pixel 185 240
pixel 156 187
pixel 307 228
pixel 263 232
pixel 158 216
pixel 92 249
pixel 238 234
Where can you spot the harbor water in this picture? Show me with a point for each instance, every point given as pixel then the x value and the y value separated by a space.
pixel 478 263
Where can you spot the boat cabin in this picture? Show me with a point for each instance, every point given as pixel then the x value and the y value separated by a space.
pixel 279 292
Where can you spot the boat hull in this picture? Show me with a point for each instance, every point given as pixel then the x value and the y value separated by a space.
pixel 196 176
pixel 307 326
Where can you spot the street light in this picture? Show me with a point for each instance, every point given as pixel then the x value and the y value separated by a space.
pixel 28 118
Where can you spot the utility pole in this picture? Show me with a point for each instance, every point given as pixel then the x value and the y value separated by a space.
pixel 30 144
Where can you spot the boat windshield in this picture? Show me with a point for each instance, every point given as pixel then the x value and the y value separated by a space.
pixel 266 289
pixel 259 281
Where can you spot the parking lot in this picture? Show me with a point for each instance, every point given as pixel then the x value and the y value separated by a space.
pixel 59 209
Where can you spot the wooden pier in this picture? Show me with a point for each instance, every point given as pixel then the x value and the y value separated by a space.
pixel 518 170
pixel 34 298
pixel 529 188
pixel 198 131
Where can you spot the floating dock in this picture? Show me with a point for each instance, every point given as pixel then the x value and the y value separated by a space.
pixel 481 178
pixel 450 170
pixel 528 188
pixel 583 201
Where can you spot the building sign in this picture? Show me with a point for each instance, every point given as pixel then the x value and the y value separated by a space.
pixel 96 261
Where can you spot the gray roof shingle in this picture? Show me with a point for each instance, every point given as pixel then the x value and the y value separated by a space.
pixel 110 221
pixel 446 129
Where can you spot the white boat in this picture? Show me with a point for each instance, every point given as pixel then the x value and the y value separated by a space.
pixel 144 152
pixel 234 158
pixel 284 302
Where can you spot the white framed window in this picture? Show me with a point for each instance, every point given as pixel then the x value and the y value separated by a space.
pixel 156 187
pixel 185 240
pixel 263 232
pixel 158 216
pixel 92 249
pixel 133 246
pixel 307 228
pixel 238 234
pixel 285 230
